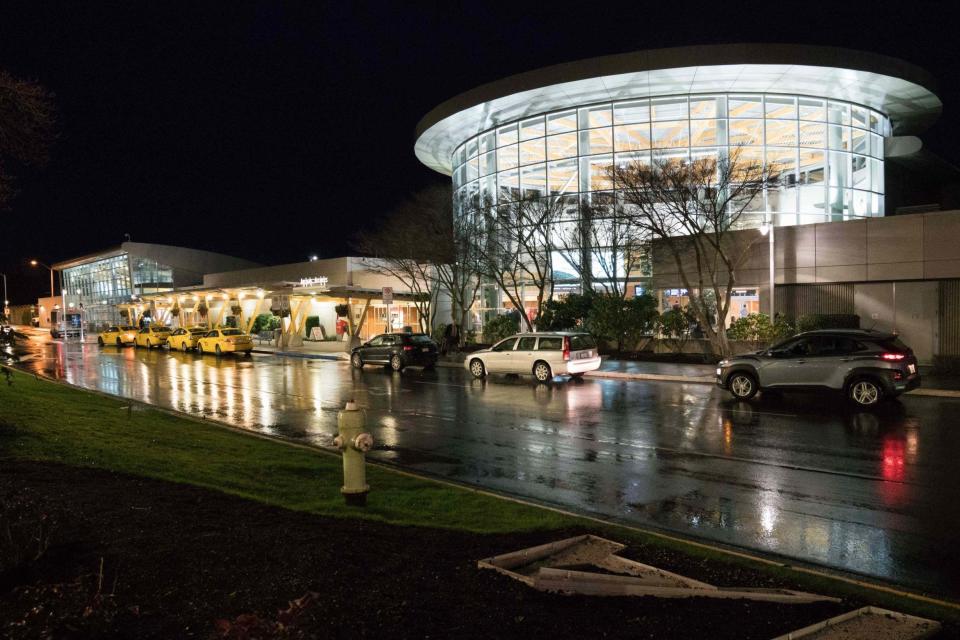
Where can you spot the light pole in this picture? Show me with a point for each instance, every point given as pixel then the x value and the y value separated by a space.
pixel 767 229
pixel 6 301
pixel 34 263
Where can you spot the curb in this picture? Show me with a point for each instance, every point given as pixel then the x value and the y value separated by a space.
pixel 299 354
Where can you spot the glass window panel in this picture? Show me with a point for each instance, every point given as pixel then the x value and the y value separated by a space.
pixel 631 112
pixel 876 204
pixel 839 113
pixel 594 173
pixel 746 132
pixel 811 169
pixel 600 116
pixel 839 201
pixel 472 189
pixel 860 170
pixel 472 170
pixel 626 159
pixel 670 135
pixel 562 177
pixel 811 109
pixel 861 203
pixel 782 133
pixel 839 169
pixel 703 153
pixel 596 141
pixel 632 137
pixel 858 116
pixel 507 135
pixel 488 142
pixel 784 163
pixel 507 157
pixel 461 154
pixel 839 137
pixel 701 108
pixel 560 146
pixel 457 175
pixel 508 185
pixel 813 135
pixel 533 151
pixel 703 133
pixel 533 128
pixel 876 146
pixel 488 189
pixel 861 141
pixel 876 175
pixel 562 122
pixel 811 199
pixel 533 180
pixel 674 155
pixel 669 108
pixel 745 107
pixel 782 107
pixel 488 163
pixel 782 199
pixel 875 121
pixel 471 147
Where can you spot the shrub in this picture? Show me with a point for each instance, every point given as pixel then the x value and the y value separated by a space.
pixel 501 327
pixel 758 329
pixel 674 326
pixel 265 322
pixel 569 312
pixel 342 310
pixel 202 309
pixel 815 321
pixel 437 333
pixel 622 320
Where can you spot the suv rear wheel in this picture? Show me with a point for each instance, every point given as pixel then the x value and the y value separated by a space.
pixel 396 363
pixel 742 385
pixel 865 392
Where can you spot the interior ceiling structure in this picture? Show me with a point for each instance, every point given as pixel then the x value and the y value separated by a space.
pixel 901 90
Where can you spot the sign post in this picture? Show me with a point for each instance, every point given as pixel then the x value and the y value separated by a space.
pixel 387 294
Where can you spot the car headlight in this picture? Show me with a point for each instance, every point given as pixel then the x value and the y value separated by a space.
pixel 723 363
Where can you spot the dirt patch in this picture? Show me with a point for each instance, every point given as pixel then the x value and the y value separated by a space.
pixel 128 557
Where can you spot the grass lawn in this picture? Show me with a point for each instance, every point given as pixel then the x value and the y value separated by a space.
pixel 46 421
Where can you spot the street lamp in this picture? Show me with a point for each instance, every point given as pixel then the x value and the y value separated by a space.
pixel 34 263
pixel 766 229
pixel 6 302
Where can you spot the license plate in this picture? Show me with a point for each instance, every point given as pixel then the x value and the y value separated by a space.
pixel 585 354
pixel 425 349
pixel 912 368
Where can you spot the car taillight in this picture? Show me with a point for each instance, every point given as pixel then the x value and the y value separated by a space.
pixel 893 356
pixel 566 347
pixel 408 347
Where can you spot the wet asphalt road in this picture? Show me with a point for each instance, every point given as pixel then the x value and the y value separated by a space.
pixel 805 477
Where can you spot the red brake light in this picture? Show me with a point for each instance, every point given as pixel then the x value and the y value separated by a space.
pixel 566 347
pixel 408 347
pixel 893 356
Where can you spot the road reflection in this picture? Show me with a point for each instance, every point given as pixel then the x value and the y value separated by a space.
pixel 806 477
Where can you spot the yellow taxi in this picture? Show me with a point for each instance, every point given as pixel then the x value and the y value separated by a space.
pixel 223 340
pixel 152 336
pixel 117 335
pixel 185 338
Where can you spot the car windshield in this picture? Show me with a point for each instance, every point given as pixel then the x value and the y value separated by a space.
pixel 895 344
pixel 128 328
pixel 198 330
pixel 421 338
pixel 582 341
pixel 232 332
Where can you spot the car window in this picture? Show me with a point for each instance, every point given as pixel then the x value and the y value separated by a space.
pixel 421 338
pixel 212 334
pixel 844 345
pixel 376 342
pixel 178 332
pixel 128 328
pixel 550 344
pixel 527 343
pixel 112 330
pixel 796 348
pixel 820 346
pixel 162 329
pixel 506 345
pixel 582 341
pixel 895 344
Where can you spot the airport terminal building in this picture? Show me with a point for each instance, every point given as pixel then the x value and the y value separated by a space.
pixel 829 119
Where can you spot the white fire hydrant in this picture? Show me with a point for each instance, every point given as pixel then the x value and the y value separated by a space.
pixel 354 443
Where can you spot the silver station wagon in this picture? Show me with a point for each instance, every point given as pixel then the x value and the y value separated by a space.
pixel 542 354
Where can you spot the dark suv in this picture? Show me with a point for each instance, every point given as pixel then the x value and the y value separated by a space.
pixel 866 366
pixel 398 350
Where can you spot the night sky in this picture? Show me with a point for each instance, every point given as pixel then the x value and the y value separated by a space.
pixel 272 131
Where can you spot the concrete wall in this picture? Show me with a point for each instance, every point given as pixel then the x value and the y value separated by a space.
pixel 345 271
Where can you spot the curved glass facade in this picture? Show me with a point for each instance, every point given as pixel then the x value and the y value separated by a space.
pixel 830 153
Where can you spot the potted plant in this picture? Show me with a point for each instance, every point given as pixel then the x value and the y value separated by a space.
pixel 202 309
pixel 236 309
pixel 175 312
pixel 342 310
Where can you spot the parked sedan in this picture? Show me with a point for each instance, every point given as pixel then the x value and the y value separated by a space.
pixel 152 336
pixel 117 336
pixel 866 366
pixel 398 350
pixel 186 338
pixel 544 355
pixel 225 340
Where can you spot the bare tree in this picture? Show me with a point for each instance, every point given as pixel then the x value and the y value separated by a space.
pixel 27 128
pixel 688 208
pixel 515 249
pixel 604 246
pixel 459 273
